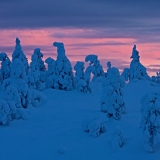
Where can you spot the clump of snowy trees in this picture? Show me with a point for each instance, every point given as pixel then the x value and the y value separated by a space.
pixel 112 101
pixel 60 74
pixel 150 122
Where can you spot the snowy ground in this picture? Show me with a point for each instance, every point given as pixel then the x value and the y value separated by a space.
pixel 54 131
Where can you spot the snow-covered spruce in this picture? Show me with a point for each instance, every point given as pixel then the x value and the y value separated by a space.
pixel 62 78
pixel 98 69
pixel 38 69
pixel 112 101
pixel 18 53
pixel 81 82
pixel 37 59
pixel 37 74
pixel 137 70
pixel 51 72
pixel 5 67
pixel 150 122
pixel 94 127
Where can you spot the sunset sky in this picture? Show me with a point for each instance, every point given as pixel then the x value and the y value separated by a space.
pixel 108 28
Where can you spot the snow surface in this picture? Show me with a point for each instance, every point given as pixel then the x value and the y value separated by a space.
pixel 54 130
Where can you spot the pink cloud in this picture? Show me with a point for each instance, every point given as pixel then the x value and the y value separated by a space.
pixel 78 47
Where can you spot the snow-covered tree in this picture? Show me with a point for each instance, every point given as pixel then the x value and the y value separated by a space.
pixel 37 74
pixel 37 59
pixel 81 82
pixel 108 67
pixel 98 69
pixel 18 53
pixel 50 73
pixel 112 101
pixel 62 75
pixel 18 81
pixel 137 70
pixel 5 67
pixel 150 122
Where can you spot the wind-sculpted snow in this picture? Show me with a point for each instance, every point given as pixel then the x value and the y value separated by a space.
pixel 137 70
pixel 150 122
pixel 59 74
pixel 5 67
pixel 112 101
pixel 18 53
pixel 81 82
pixel 98 69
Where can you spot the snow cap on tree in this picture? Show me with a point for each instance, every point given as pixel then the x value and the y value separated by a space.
pixel 92 58
pixel 60 49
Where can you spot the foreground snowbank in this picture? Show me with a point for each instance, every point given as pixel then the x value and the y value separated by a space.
pixel 54 131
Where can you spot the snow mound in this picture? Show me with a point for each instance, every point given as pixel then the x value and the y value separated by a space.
pixel 94 127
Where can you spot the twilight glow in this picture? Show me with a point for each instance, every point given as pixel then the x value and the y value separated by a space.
pixel 108 29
